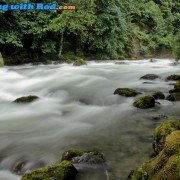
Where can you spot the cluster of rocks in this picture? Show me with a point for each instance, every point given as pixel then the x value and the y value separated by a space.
pixel 148 101
pixel 66 170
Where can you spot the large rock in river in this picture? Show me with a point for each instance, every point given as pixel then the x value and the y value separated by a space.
pixel 144 102
pixel 166 165
pixel 150 77
pixel 26 99
pixel 63 171
pixel 127 92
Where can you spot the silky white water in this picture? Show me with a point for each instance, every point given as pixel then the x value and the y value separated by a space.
pixel 77 109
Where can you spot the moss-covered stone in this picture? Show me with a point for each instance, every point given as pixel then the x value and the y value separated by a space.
pixel 63 171
pixel 79 62
pixel 71 153
pixel 82 156
pixel 174 77
pixel 144 102
pixel 158 95
pixel 166 165
pixel 150 77
pixel 26 99
pixel 162 131
pixel 127 92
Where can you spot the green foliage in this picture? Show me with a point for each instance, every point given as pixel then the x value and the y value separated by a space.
pixel 104 29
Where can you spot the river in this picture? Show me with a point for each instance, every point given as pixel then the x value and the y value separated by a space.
pixel 77 109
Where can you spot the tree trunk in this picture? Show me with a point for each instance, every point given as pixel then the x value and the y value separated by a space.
pixel 61 43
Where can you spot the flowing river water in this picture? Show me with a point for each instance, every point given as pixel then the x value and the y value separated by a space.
pixel 77 109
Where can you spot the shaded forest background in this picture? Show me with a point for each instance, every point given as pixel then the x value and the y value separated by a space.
pixel 97 29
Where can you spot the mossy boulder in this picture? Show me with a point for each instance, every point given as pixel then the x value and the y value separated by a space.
pixel 82 156
pixel 144 102
pixel 161 132
pixel 79 62
pixel 63 171
pixel 166 165
pixel 71 153
pixel 127 92
pixel 176 88
pixel 174 77
pixel 150 77
pixel 26 99
pixel 158 95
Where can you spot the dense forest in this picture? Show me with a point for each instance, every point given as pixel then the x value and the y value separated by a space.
pixel 96 29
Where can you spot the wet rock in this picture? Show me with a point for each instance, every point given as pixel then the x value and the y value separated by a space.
pixel 160 117
pixel 170 97
pixel 174 77
pixel 89 158
pixel 148 83
pixel 26 99
pixel 127 92
pixel 150 77
pixel 18 166
pixel 81 156
pixel 79 62
pixel 161 132
pixel 144 102
pixel 119 63
pixel 63 171
pixel 158 95
pixel 165 165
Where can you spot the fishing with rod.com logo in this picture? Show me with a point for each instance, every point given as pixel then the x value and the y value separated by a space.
pixel 37 6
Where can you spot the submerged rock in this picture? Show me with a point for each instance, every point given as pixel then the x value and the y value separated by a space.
pixel 159 117
pixel 170 97
pixel 63 171
pixel 165 166
pixel 81 156
pixel 150 77
pixel 174 77
pixel 127 92
pixel 18 166
pixel 158 95
pixel 144 102
pixel 26 99
pixel 79 62
pixel 161 132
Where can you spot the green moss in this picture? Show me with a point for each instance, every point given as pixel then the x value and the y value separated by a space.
pixel 79 62
pixel 71 153
pixel 127 92
pixel 174 77
pixel 166 165
pixel 144 102
pixel 162 131
pixel 48 62
pixel 177 85
pixel 63 171
pixel 158 95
